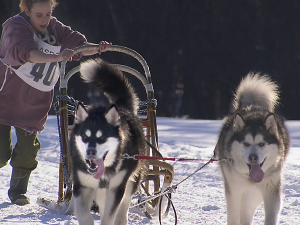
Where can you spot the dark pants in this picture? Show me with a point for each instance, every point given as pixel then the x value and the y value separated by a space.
pixel 23 156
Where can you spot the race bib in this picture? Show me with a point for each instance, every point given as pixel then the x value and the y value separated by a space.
pixel 42 76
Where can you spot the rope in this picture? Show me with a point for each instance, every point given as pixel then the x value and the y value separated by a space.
pixel 168 191
pixel 62 154
pixel 68 99
pixel 169 203
pixel 145 103
pixel 164 158
pixel 173 188
pixel 63 158
pixel 137 157
pixel 208 162
pixel 154 149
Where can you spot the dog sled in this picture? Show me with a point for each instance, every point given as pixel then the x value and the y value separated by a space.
pixel 160 173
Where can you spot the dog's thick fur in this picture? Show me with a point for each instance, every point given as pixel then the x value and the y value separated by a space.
pixel 100 137
pixel 252 146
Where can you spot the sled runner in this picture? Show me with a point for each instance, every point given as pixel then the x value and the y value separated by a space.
pixel 160 174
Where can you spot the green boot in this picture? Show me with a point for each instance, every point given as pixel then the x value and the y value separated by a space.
pixel 18 187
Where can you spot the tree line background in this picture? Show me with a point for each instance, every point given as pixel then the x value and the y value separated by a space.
pixel 197 51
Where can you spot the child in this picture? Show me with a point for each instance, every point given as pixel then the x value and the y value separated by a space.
pixel 32 43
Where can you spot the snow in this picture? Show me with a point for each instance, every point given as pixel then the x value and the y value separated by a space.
pixel 198 200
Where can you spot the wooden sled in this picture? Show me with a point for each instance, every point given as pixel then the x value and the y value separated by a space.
pixel 160 174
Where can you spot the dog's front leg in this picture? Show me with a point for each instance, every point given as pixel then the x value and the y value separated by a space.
pixel 233 195
pixel 112 203
pixel 114 195
pixel 272 205
pixel 233 201
pixel 100 200
pixel 122 215
pixel 82 205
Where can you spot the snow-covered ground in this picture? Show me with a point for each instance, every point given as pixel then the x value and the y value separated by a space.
pixel 198 200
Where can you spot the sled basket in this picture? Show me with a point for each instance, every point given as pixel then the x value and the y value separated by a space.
pixel 160 174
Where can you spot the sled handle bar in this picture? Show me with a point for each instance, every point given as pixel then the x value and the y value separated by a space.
pixel 146 81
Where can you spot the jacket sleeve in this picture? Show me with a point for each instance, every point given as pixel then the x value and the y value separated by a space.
pixel 16 42
pixel 67 37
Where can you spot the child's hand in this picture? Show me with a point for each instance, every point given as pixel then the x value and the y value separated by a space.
pixel 65 54
pixel 103 46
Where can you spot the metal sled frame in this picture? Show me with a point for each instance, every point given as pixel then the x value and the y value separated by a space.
pixel 156 167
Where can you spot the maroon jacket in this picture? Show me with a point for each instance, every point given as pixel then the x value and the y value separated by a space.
pixel 20 104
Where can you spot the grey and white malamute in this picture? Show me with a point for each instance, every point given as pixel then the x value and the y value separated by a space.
pixel 100 137
pixel 253 145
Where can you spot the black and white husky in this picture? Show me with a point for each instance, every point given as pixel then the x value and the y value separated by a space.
pixel 101 136
pixel 253 145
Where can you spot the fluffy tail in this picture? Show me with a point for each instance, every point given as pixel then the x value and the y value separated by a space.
pixel 256 90
pixel 111 81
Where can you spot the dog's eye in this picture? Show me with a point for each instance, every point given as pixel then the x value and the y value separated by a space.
pixel 84 138
pixel 101 139
pixel 261 144
pixel 246 144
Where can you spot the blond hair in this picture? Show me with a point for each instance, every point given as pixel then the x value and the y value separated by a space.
pixel 29 3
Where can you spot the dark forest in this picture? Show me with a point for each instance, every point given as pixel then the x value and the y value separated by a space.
pixel 197 51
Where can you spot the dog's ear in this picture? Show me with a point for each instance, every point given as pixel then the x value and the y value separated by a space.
pixel 81 113
pixel 112 115
pixel 271 124
pixel 238 122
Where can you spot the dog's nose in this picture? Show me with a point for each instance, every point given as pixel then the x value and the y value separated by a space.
pixel 91 152
pixel 253 158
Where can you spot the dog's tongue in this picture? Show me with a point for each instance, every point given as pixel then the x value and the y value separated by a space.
pixel 256 173
pixel 100 169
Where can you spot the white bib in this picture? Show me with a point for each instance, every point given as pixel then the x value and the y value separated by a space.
pixel 42 76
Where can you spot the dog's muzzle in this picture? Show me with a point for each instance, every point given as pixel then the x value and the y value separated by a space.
pixel 95 165
pixel 256 174
pixel 91 152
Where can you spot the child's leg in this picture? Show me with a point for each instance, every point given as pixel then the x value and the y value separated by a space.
pixel 25 152
pixel 5 144
pixel 23 161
